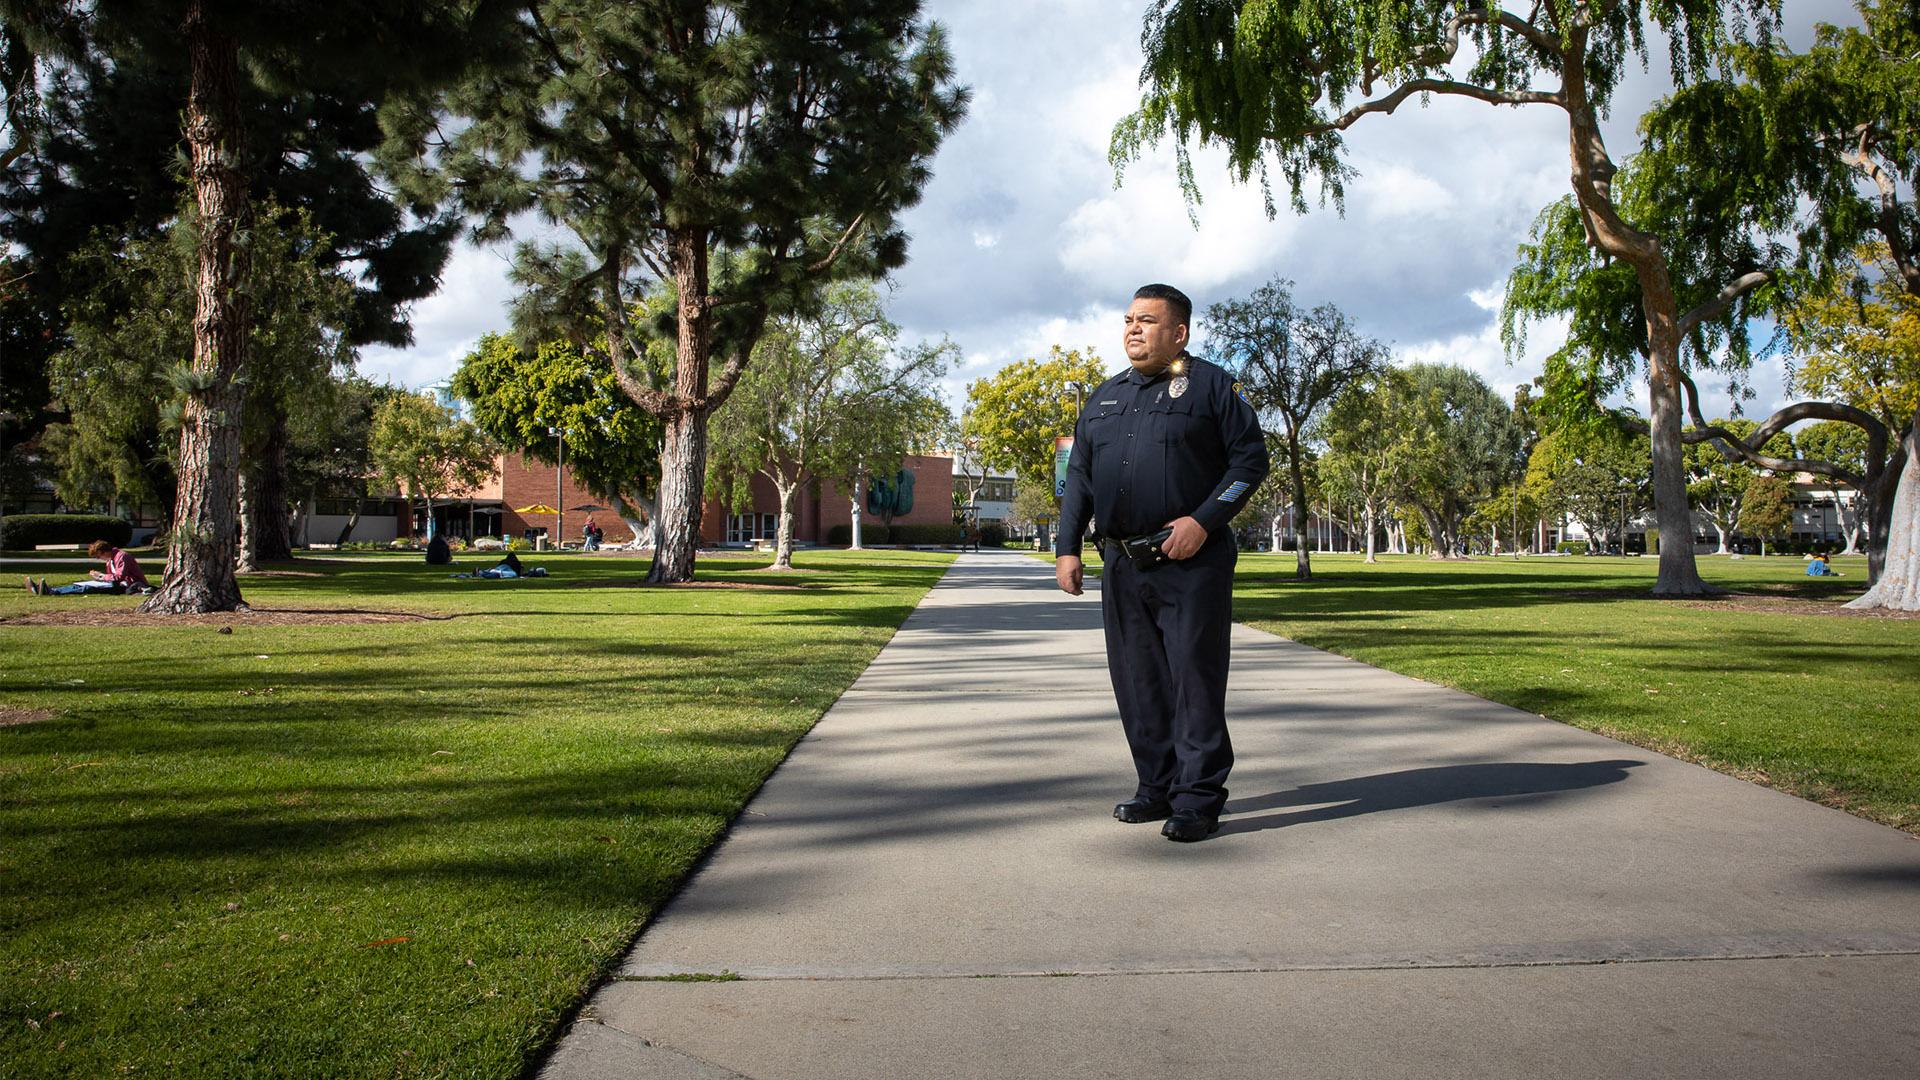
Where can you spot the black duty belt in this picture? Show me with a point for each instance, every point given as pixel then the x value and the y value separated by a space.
pixel 1145 550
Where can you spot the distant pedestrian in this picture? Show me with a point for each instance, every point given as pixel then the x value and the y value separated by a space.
pixel 1164 454
pixel 122 575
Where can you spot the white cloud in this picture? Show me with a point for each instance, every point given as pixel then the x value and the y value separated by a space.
pixel 1022 239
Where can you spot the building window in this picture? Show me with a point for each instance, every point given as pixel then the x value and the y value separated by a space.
pixel 746 528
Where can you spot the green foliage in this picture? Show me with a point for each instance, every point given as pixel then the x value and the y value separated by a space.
pixel 1706 244
pixel 1717 486
pixel 829 393
pixel 418 445
pixel 1789 142
pixel 1033 505
pixel 993 535
pixel 1015 414
pixel 1572 547
pixel 519 396
pixel 743 151
pixel 925 535
pixel 23 532
pixel 1858 337
pixel 842 535
pixel 1457 444
pixel 127 369
pixel 1596 478
pixel 1842 444
pixel 1267 80
pixel 1766 510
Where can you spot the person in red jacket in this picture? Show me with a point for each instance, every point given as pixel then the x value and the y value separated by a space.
pixel 122 575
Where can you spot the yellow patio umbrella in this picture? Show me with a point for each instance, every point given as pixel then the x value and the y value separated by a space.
pixel 536 508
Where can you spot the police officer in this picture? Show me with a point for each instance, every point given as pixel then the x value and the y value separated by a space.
pixel 1169 443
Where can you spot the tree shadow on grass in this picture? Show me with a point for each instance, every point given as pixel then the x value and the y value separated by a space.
pixel 1420 787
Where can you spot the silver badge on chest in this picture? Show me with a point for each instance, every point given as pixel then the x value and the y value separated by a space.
pixel 1179 386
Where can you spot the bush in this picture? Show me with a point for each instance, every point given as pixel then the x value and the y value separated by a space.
pixel 993 535
pixel 928 535
pixel 1572 547
pixel 842 535
pixel 24 532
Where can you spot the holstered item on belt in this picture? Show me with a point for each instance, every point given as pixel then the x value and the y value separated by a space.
pixel 1145 551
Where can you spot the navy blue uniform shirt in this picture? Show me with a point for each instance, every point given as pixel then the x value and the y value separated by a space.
pixel 1143 457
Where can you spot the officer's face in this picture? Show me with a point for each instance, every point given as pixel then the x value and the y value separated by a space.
pixel 1153 337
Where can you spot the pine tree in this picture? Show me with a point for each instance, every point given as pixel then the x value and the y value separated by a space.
pixel 740 153
pixel 235 55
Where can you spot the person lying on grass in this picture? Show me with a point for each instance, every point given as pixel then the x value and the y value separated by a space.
pixel 122 575
pixel 508 567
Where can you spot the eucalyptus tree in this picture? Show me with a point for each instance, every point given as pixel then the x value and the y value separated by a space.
pixel 1365 450
pixel 1278 82
pixel 743 152
pixel 1458 445
pixel 822 386
pixel 1291 362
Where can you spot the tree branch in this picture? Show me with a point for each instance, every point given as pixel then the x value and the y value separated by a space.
pixel 1711 309
pixel 1406 90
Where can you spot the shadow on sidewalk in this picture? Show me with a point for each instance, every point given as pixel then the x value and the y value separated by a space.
pixel 1420 787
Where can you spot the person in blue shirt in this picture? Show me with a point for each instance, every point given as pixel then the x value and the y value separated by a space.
pixel 1169 444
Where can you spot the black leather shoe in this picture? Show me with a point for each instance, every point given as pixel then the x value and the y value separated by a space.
pixel 1138 811
pixel 1187 826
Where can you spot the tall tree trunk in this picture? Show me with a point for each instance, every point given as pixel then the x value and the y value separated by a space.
pixel 270 524
pixel 1372 516
pixel 1593 172
pixel 682 462
pixel 248 560
pixel 854 529
pixel 783 545
pixel 1896 533
pixel 199 576
pixel 1302 560
pixel 353 522
pixel 683 455
pixel 1679 572
pixel 1722 530
pixel 1880 493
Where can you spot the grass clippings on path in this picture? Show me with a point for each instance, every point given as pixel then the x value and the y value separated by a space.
pixel 1776 682
pixel 344 846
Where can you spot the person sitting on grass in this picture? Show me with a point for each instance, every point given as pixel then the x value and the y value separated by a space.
pixel 1819 567
pixel 122 575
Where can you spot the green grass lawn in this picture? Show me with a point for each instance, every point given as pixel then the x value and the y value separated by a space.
pixel 1767 684
pixel 381 848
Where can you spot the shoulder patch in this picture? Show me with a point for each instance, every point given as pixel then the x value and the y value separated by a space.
pixel 1241 393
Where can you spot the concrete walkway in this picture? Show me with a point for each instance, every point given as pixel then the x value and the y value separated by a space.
pixel 1412 882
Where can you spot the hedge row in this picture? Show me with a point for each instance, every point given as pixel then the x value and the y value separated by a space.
pixel 929 535
pixel 24 532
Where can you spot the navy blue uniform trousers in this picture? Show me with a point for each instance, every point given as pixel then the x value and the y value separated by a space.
pixel 1167 647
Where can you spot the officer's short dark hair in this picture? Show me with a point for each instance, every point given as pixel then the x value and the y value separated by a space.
pixel 1177 300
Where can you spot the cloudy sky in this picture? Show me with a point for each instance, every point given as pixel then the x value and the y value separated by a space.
pixel 1024 241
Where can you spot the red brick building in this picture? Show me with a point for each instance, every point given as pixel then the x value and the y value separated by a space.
pixel 491 509
pixel 818 509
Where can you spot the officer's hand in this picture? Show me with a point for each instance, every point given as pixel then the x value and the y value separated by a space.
pixel 1188 536
pixel 1067 571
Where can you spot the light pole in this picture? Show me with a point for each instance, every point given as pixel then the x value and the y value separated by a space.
pixel 559 489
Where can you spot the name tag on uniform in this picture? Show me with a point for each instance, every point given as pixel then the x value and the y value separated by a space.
pixel 1115 401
